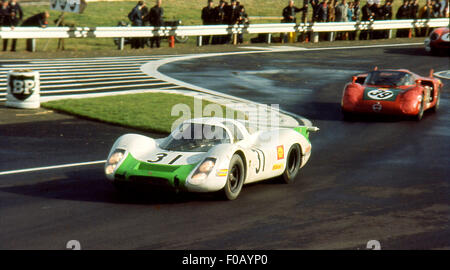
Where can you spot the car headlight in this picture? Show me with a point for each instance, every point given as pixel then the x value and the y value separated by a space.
pixel 203 171
pixel 113 160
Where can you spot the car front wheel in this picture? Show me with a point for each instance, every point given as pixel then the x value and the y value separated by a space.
pixel 235 179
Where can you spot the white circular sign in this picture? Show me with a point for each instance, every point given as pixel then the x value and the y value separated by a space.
pixel 380 94
pixel 446 37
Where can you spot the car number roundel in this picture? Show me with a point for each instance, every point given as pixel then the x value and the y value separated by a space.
pixel 379 94
pixel 446 37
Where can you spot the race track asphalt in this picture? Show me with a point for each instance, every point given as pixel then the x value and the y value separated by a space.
pixel 384 179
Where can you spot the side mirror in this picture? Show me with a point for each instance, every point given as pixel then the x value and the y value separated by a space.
pixel 418 82
pixel 354 79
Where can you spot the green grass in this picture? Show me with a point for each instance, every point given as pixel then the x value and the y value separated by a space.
pixel 109 13
pixel 148 111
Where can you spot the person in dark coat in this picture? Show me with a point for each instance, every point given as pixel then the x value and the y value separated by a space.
pixel 243 19
pixel 232 13
pixel 40 20
pixel 156 20
pixel 219 18
pixel 16 14
pixel 136 17
pixel 403 13
pixel 5 19
pixel 290 11
pixel 208 18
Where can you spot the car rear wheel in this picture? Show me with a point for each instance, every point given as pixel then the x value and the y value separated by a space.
pixel 235 179
pixel 438 101
pixel 419 116
pixel 293 162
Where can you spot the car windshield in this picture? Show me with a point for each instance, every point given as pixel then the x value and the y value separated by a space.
pixel 193 137
pixel 389 78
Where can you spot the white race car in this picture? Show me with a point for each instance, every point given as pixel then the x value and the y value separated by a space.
pixel 209 155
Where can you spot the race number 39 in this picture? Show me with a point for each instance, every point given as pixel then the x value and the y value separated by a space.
pixel 22 87
pixel 380 94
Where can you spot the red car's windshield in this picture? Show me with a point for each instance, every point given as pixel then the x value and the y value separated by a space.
pixel 389 78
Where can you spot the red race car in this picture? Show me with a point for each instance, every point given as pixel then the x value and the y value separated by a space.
pixel 439 41
pixel 392 92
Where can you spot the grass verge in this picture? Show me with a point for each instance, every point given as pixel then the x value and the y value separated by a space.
pixel 150 112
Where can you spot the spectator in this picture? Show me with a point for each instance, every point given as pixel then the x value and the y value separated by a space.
pixel 356 11
pixel 17 9
pixel 426 12
pixel 156 20
pixel 414 8
pixel 16 17
pixel 444 9
pixel 243 19
pixel 378 14
pixel 5 20
pixel 403 13
pixel 208 18
pixel 387 15
pixel 341 12
pixel 231 18
pixel 219 14
pixel 232 13
pixel 331 10
pixel 436 13
pixel 350 18
pixel 136 17
pixel 387 10
pixel 315 8
pixel 322 11
pixel 41 20
pixel 367 15
pixel 290 11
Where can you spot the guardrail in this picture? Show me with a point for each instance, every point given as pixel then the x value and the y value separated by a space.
pixel 210 30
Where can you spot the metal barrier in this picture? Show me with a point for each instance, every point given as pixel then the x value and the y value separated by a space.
pixel 210 30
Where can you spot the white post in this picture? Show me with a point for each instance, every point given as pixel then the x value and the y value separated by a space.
pixel 199 41
pixel 121 43
pixel 269 38
pixel 315 38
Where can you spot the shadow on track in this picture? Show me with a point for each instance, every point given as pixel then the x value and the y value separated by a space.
pixel 90 185
pixel 414 51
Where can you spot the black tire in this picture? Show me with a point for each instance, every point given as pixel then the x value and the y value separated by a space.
pixel 438 101
pixel 235 178
pixel 419 116
pixel 293 162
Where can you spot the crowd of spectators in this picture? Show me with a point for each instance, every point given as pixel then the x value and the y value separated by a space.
pixel 233 13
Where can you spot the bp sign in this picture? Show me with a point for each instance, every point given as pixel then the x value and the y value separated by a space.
pixel 23 89
pixel 75 6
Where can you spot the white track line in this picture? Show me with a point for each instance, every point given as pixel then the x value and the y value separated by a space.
pixel 81 64
pixel 74 71
pixel 95 77
pixel 50 67
pixel 45 86
pixel 101 88
pixel 53 167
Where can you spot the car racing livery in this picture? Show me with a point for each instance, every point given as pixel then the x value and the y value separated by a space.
pixel 209 155
pixel 439 40
pixel 393 92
